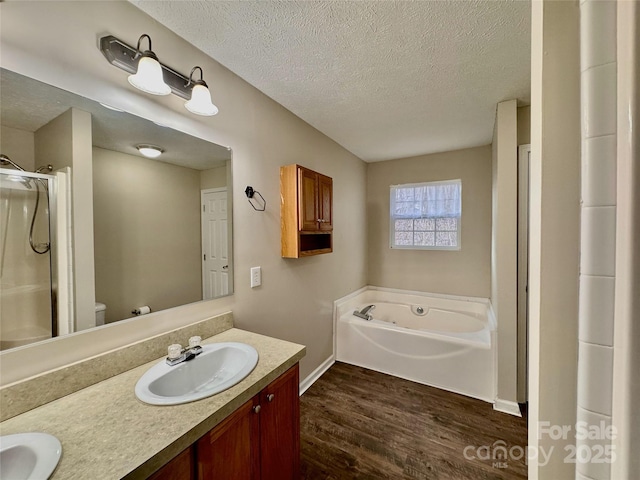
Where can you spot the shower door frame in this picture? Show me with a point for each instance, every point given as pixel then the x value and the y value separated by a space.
pixel 52 188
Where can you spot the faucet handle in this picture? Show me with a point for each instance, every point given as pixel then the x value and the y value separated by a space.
pixel 195 341
pixel 174 351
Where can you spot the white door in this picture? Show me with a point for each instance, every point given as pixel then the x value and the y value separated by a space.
pixel 215 251
pixel 524 154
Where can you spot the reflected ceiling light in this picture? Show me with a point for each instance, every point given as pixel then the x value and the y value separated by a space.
pixel 150 151
pixel 125 57
pixel 109 107
pixel 148 76
pixel 200 102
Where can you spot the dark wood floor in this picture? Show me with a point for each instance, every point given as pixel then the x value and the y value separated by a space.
pixel 357 423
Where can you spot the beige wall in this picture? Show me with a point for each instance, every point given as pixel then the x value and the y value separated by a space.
pixel 214 177
pixel 504 246
pixel 66 142
pixel 463 272
pixel 554 230
pixel 147 233
pixel 524 125
pixel 19 146
pixel 296 298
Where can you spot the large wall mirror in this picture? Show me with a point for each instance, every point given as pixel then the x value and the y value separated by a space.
pixel 91 230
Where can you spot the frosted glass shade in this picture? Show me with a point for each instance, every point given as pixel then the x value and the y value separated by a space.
pixel 150 151
pixel 149 77
pixel 200 102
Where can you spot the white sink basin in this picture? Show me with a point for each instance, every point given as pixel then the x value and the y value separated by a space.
pixel 29 456
pixel 219 367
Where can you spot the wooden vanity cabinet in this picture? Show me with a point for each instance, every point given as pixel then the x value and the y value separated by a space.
pixel 232 448
pixel 306 212
pixel 280 428
pixel 180 468
pixel 260 440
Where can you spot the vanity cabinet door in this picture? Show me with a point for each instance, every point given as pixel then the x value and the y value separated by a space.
pixel 280 428
pixel 180 468
pixel 231 450
pixel 260 440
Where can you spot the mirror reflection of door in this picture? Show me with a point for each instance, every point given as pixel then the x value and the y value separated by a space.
pixel 215 251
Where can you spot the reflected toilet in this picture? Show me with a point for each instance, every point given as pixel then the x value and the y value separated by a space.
pixel 101 310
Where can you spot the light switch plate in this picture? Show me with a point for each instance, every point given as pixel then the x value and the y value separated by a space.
pixel 256 277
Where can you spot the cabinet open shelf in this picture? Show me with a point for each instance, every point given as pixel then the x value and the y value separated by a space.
pixel 315 243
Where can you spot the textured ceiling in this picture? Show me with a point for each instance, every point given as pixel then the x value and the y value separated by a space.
pixel 27 104
pixel 385 79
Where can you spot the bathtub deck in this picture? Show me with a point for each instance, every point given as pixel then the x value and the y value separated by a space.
pixel 357 423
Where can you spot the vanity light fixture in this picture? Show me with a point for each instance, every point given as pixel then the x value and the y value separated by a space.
pixel 148 76
pixel 150 151
pixel 200 102
pixel 132 60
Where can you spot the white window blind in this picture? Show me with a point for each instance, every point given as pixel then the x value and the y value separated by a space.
pixel 426 215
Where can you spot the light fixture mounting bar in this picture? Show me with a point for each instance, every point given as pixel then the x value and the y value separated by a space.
pixel 123 56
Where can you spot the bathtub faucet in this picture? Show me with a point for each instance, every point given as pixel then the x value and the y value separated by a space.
pixel 364 313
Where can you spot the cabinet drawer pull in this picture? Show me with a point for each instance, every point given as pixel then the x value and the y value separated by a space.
pixel 257 409
pixel 270 397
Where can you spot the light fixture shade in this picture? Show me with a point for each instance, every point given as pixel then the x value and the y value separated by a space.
pixel 150 151
pixel 149 77
pixel 200 102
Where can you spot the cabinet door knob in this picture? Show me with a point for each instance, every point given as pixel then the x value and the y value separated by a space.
pixel 270 397
pixel 257 409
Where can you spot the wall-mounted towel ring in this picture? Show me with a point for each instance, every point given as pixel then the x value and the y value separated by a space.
pixel 250 193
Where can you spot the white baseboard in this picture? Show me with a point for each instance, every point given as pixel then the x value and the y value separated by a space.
pixel 316 374
pixel 507 406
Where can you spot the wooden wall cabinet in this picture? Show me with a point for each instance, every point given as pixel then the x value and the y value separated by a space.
pixel 306 212
pixel 259 441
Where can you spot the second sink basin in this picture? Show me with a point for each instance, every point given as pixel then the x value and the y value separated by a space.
pixel 25 456
pixel 220 366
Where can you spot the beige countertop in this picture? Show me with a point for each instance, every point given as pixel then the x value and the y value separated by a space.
pixel 106 432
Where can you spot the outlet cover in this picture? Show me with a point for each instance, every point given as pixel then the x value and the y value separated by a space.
pixel 256 277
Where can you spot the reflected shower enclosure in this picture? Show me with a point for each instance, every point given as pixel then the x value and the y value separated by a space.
pixel 27 256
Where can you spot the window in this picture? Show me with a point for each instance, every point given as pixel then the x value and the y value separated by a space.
pixel 426 215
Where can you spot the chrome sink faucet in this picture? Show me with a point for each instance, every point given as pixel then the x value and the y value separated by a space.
pixel 177 354
pixel 364 313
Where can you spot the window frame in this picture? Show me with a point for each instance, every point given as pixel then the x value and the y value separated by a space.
pixel 392 218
